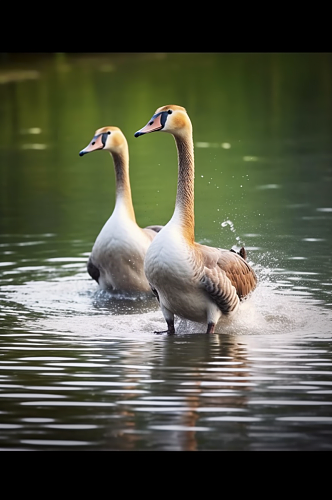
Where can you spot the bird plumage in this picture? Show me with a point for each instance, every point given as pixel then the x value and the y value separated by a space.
pixel 116 261
pixel 190 280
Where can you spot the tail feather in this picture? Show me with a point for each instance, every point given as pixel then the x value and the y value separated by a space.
pixel 242 252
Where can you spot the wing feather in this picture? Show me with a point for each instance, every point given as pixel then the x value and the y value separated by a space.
pixel 239 272
pixel 226 276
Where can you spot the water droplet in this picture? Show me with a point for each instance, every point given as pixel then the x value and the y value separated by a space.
pixel 228 223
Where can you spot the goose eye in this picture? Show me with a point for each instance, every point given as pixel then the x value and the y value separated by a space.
pixel 109 132
pixel 169 111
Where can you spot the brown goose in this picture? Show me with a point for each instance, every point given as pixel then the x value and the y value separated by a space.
pixel 117 258
pixel 193 281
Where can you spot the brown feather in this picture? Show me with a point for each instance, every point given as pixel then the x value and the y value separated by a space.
pixel 221 266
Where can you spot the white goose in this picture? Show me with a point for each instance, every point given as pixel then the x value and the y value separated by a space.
pixel 193 281
pixel 117 258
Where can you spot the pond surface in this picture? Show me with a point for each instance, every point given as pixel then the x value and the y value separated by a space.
pixel 81 369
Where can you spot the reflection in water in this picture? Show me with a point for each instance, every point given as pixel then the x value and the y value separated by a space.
pixel 161 392
pixel 87 364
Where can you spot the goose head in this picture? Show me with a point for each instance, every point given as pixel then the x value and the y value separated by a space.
pixel 171 118
pixel 109 138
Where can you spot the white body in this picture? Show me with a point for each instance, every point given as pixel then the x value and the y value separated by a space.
pixel 119 252
pixel 169 268
pixel 192 281
pixel 117 258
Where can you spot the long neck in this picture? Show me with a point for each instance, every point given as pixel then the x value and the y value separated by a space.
pixel 184 206
pixel 123 199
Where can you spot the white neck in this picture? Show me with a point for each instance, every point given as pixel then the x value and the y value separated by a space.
pixel 123 199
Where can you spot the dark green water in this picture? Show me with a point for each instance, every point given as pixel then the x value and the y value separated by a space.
pixel 80 369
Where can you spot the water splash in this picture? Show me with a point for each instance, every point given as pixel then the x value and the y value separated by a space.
pixel 228 223
pixel 269 311
pixel 232 228
pixel 77 306
pixel 53 297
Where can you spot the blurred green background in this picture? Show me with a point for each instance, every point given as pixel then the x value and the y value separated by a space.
pixel 262 131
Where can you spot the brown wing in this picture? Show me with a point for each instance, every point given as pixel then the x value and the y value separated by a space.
pixel 226 276
pixel 220 289
pixel 241 275
pixel 241 252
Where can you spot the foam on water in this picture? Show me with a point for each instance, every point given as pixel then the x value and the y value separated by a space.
pixel 77 305
pixel 57 295
pixel 268 312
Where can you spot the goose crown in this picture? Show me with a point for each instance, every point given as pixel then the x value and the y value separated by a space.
pixel 110 138
pixel 170 118
pixel 115 139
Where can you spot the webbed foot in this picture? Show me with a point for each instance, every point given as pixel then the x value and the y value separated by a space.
pixel 170 330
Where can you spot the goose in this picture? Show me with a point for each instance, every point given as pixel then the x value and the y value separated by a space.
pixel 196 282
pixel 116 261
